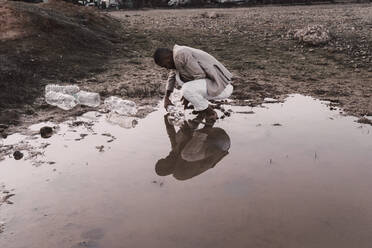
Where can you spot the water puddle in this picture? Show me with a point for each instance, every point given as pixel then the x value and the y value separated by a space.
pixel 292 174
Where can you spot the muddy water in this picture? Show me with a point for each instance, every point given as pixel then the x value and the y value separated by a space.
pixel 288 175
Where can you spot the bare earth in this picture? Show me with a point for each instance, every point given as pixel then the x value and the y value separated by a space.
pixel 252 42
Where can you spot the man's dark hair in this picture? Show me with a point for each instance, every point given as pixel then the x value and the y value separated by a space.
pixel 161 53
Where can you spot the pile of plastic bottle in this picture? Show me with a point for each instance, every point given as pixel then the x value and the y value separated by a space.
pixel 67 97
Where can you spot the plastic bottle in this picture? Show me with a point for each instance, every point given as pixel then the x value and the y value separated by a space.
pixel 120 106
pixel 61 100
pixel 67 89
pixel 88 98
pixel 127 122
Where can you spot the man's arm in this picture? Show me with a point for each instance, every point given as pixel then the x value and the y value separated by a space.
pixel 171 82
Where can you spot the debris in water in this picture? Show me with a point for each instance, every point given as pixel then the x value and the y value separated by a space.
pixel 245 112
pixel 127 122
pixel 277 124
pixel 82 136
pixel 5 199
pixel 2 226
pixel 100 148
pixel 46 132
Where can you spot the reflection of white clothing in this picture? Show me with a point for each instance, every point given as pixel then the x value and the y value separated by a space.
pixel 196 93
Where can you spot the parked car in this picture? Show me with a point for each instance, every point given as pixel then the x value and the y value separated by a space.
pixel 175 3
pixel 229 2
pixel 105 4
pixel 90 4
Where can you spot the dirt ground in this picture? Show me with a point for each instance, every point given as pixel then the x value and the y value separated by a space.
pixel 251 42
pixel 49 43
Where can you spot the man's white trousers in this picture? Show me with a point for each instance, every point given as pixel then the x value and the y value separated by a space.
pixel 196 93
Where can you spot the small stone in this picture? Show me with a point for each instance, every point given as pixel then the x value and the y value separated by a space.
pixel 46 132
pixel 17 155
pixel 29 111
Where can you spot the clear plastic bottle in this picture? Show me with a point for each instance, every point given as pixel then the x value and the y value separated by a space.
pixel 120 106
pixel 61 100
pixel 88 98
pixel 127 122
pixel 66 89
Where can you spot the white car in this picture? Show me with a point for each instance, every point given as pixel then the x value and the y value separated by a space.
pixel 175 3
pixel 230 1
pixel 105 4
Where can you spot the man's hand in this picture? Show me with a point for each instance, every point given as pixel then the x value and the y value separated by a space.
pixel 167 102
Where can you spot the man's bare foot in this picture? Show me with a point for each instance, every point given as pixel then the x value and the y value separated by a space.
pixel 210 115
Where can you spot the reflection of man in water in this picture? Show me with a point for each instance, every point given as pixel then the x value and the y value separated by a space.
pixel 193 151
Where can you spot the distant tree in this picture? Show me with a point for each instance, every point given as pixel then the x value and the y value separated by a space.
pixel 197 2
pixel 72 1
pixel 138 4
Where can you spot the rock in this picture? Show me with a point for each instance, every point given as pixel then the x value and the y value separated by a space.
pixel 17 155
pixel 29 111
pixel 312 35
pixel 46 132
pixel 211 15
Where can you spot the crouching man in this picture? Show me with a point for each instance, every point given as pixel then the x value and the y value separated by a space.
pixel 201 76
